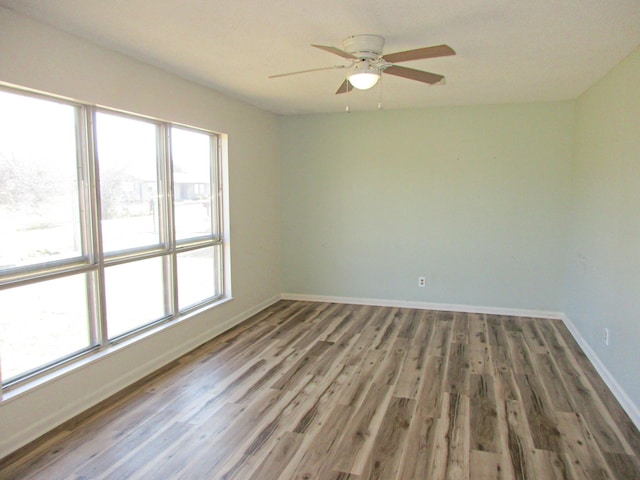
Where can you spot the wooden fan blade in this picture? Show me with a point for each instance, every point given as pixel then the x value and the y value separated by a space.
pixel 412 74
pixel 336 51
pixel 306 71
pixel 420 53
pixel 344 88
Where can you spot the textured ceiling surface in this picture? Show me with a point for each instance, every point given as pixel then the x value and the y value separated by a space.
pixel 507 50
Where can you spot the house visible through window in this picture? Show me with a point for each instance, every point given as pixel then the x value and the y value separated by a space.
pixel 109 224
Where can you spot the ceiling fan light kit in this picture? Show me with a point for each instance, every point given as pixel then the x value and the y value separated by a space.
pixel 363 75
pixel 366 70
pixel 368 63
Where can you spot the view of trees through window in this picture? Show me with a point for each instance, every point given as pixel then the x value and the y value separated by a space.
pixel 109 223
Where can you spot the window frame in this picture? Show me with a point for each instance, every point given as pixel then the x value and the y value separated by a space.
pixel 93 260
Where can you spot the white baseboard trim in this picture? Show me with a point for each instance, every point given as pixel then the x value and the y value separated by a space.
pixel 445 307
pixel 18 439
pixel 625 401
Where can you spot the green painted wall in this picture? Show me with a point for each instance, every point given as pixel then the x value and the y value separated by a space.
pixel 474 198
pixel 603 280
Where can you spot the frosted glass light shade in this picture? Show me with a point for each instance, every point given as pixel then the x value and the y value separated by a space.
pixel 363 80
pixel 362 75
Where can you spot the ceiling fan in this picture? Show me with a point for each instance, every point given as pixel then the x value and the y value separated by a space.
pixel 368 64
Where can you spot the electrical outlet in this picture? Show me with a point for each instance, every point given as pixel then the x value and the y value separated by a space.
pixel 606 336
pixel 422 282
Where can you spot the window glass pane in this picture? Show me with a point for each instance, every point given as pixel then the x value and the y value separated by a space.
pixel 39 206
pixel 192 172
pixel 135 295
pixel 127 159
pixel 46 214
pixel 198 275
pixel 42 322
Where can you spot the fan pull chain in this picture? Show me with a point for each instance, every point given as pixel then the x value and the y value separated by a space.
pixel 380 93
pixel 348 108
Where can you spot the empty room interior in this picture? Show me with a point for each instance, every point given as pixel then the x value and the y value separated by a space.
pixel 221 256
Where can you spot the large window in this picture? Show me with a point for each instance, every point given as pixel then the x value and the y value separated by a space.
pixel 109 224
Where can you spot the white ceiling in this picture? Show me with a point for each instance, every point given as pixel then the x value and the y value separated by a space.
pixel 507 50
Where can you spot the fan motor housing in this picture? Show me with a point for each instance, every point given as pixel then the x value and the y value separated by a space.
pixel 364 46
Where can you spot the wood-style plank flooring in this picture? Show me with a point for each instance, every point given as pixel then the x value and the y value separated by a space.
pixel 327 391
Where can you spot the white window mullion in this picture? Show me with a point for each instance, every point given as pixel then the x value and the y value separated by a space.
pixel 165 167
pixel 99 304
pixel 219 249
pixel 217 184
pixel 85 160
